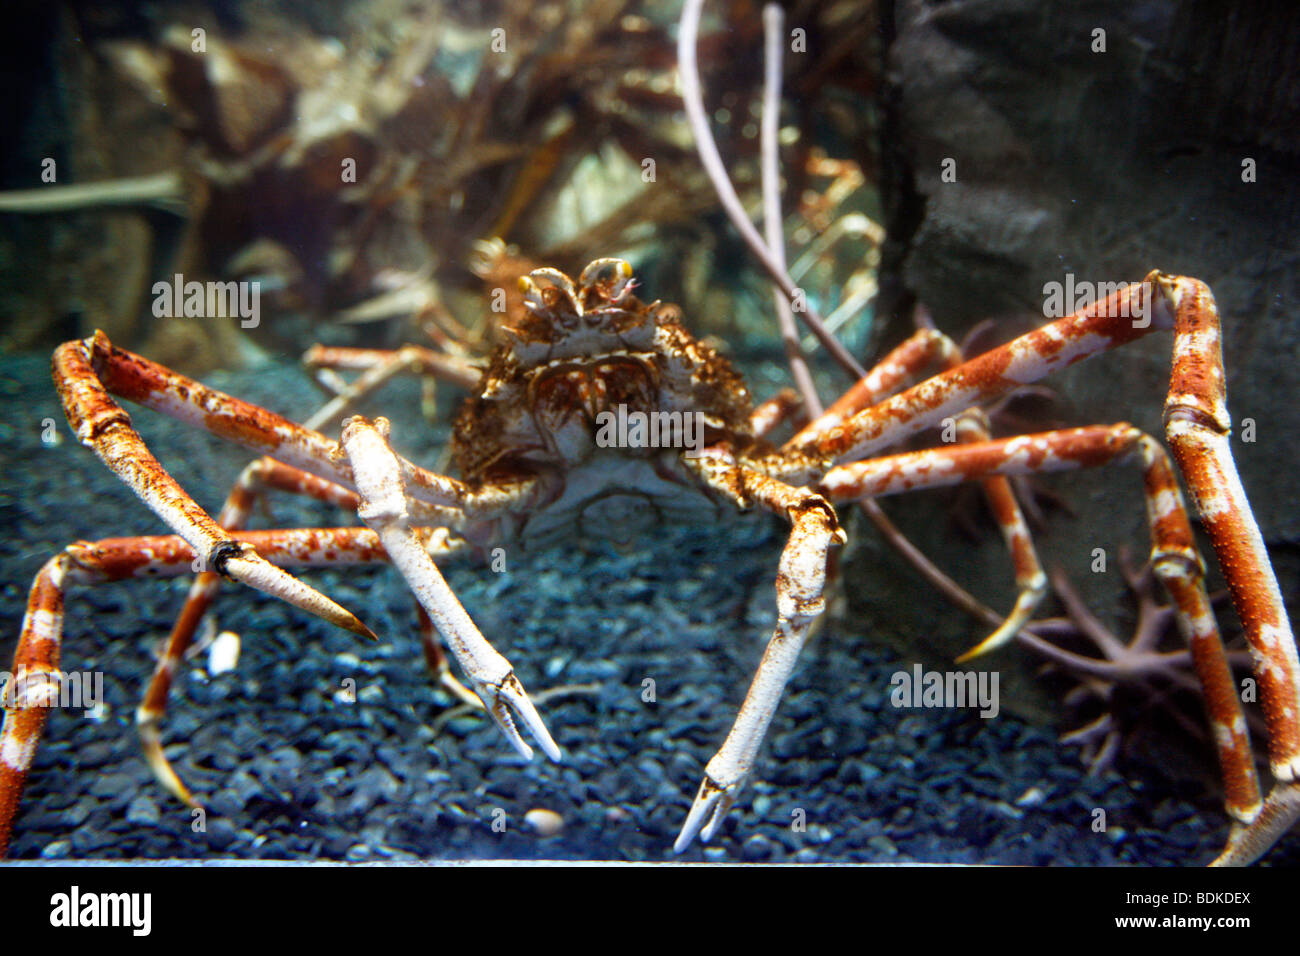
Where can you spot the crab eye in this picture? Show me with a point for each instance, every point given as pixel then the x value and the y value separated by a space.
pixel 550 294
pixel 611 279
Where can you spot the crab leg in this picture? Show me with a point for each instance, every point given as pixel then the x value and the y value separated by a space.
pixel 768 416
pixel 1197 424
pixel 1122 317
pixel 1031 582
pixel 28 691
pixel 383 498
pixel 262 473
pixel 32 688
pixel 925 345
pixel 101 424
pixel 333 550
pixel 378 366
pixel 322 552
pixel 1173 553
pixel 87 371
pixel 434 658
pixel 919 350
pixel 800 580
pixel 1197 427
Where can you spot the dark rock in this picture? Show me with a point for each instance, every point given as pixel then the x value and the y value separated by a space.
pixel 1104 165
pixel 143 812
pixel 221 834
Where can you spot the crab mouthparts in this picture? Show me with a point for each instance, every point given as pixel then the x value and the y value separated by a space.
pixel 621 517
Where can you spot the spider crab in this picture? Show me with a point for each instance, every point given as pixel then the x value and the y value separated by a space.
pixel 533 467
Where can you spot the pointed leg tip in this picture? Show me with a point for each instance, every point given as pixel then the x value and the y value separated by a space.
pixel 986 646
pixel 356 627
pixel 1015 622
pixel 522 748
pixel 543 740
pixel 690 830
pixel 341 617
pixel 536 727
pixel 252 569
pixel 163 773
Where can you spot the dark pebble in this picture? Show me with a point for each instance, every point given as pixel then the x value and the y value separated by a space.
pixel 758 848
pixel 143 812
pixel 221 834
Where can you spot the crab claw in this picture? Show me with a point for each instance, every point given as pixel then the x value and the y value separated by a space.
pixel 506 701
pixel 711 804
pixel 384 508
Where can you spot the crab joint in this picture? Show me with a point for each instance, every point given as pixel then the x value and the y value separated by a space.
pixel 220 556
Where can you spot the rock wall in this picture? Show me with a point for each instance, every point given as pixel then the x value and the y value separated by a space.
pixel 1103 155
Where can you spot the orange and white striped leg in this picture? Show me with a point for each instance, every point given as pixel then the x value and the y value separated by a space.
pixel 1173 553
pixel 1197 425
pixel 926 347
pixel 922 348
pixel 771 414
pixel 36 659
pixel 84 373
pixel 1031 583
pixel 800 581
pixel 262 474
pixel 1122 317
pixel 88 371
pixel 26 696
pixel 258 475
